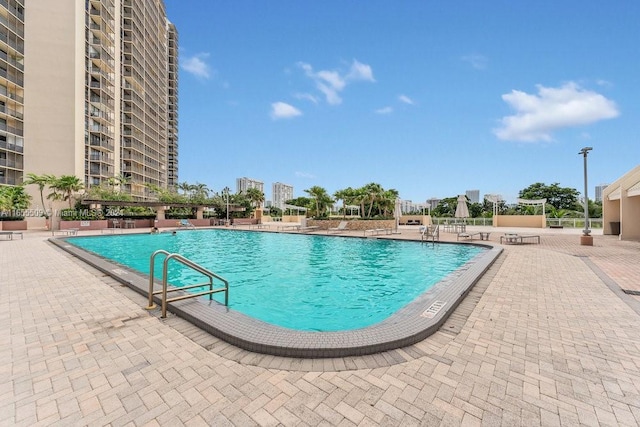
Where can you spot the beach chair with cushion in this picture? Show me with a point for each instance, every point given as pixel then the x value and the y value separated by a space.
pixel 184 223
pixel 341 227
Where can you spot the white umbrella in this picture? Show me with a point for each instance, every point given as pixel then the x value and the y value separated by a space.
pixel 397 213
pixel 462 211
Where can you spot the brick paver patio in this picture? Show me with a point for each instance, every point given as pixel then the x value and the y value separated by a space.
pixel 547 338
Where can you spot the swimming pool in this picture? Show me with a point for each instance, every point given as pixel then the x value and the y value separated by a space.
pixel 301 282
pixel 411 323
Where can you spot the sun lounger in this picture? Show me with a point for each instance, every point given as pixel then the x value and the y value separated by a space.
pixel 512 238
pixel 67 232
pixel 11 234
pixel 468 236
pixel 341 227
pixel 289 227
pixel 377 231
pixel 184 223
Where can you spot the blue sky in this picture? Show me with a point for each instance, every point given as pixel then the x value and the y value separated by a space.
pixel 431 98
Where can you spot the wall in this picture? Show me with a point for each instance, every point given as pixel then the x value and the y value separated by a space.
pixel 325 224
pixel 424 219
pixel 621 203
pixel 529 221
pixel 13 225
pixel 175 223
pixel 84 225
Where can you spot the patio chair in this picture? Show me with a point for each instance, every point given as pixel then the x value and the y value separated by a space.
pixel 341 227
pixel 184 223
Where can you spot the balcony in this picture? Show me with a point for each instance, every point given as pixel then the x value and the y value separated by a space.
pixel 14 78
pixel 11 129
pixel 11 112
pixel 11 164
pixel 12 147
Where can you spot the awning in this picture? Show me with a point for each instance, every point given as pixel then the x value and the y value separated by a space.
pixel 634 190
pixel 615 194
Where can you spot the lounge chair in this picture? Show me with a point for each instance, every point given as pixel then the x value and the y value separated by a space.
pixel 11 234
pixel 184 223
pixel 513 238
pixel 303 228
pixel 468 236
pixel 341 227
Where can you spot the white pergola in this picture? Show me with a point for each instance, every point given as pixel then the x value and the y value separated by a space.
pixel 295 208
pixel 533 203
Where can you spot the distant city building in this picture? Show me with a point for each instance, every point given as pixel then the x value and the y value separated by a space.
pixel 432 203
pixel 243 184
pixel 599 189
pixel 408 207
pixel 473 196
pixel 280 193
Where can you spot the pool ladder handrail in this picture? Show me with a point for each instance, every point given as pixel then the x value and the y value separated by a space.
pixel 430 233
pixel 185 261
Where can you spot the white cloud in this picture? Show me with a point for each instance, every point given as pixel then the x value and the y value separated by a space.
pixel 537 116
pixel 196 65
pixel 405 99
pixel 281 110
pixel 306 96
pixel 385 110
pixel 305 175
pixel 332 82
pixel 479 62
pixel 360 71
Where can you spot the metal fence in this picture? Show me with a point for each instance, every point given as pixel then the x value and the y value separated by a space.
pixel 551 222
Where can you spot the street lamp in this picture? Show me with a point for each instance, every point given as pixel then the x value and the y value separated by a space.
pixel 226 192
pixel 586 238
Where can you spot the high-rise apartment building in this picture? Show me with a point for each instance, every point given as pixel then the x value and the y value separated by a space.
pixel 432 203
pixel 172 142
pixel 280 193
pixel 243 184
pixel 473 196
pixel 599 189
pixel 101 92
pixel 11 92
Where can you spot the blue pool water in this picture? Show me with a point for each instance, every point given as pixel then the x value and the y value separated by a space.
pixel 302 282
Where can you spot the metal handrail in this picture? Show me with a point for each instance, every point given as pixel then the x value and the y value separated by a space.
pixel 430 232
pixel 191 265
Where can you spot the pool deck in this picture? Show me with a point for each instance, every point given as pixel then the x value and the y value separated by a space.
pixel 546 337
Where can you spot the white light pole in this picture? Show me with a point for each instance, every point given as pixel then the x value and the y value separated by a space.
pixel 586 238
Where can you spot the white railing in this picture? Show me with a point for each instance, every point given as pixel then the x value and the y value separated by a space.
pixel 555 222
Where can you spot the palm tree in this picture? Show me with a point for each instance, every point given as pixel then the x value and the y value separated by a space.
pixel 321 197
pixel 185 187
pixel 199 191
pixel 342 195
pixel 388 201
pixel 64 188
pixel 41 181
pixel 374 193
pixel 255 196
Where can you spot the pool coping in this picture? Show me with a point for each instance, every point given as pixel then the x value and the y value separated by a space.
pixel 411 324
